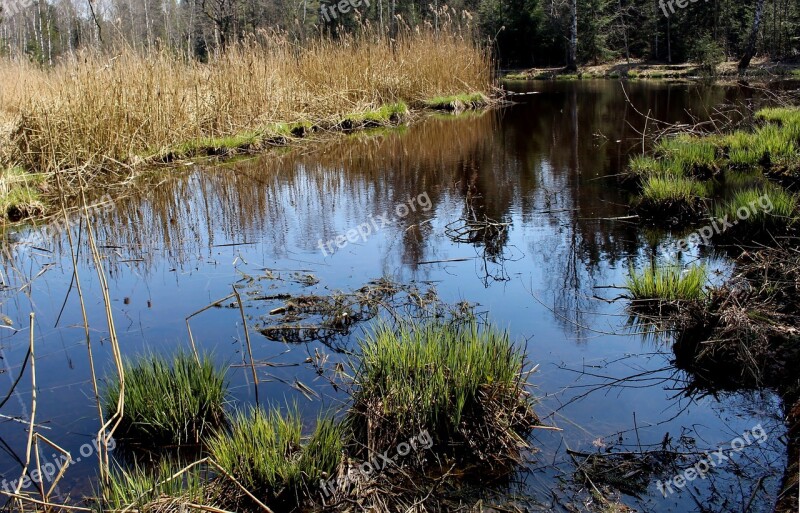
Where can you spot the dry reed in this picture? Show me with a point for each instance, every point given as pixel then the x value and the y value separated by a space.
pixel 100 111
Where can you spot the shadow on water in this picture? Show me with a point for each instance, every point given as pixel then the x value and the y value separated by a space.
pixel 514 211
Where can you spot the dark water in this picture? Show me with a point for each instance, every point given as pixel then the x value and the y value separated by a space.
pixel 541 167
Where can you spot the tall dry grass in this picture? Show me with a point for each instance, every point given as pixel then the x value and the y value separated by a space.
pixel 100 110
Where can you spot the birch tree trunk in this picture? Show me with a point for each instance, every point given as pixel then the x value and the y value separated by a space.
pixel 572 56
pixel 744 63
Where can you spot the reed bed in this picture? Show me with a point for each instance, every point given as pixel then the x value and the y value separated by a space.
pixel 100 111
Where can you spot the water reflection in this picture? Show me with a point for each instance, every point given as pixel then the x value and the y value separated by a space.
pixel 542 226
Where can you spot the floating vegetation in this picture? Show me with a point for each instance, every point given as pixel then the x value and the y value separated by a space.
pixel 168 403
pixel 264 451
pixel 464 385
pixel 628 472
pixel 667 283
pixel 307 317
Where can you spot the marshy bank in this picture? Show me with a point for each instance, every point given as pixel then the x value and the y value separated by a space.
pixel 432 403
pixel 737 192
pixel 525 227
pixel 96 119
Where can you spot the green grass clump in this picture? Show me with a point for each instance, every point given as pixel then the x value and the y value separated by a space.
pixel 692 153
pixel 168 403
pixel 646 167
pixel 457 102
pixel 768 206
pixel 463 385
pixel 264 452
pixel 672 191
pixel 150 490
pixel 384 115
pixel 670 283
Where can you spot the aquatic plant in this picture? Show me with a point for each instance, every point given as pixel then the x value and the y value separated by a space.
pixel 168 402
pixel 645 167
pixel 667 283
pixel 457 102
pixel 693 154
pixel 264 451
pixel 90 109
pixel 672 193
pixel 154 490
pixel 464 385
pixel 767 206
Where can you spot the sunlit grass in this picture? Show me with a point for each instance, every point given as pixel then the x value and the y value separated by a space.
pixel 154 490
pixel 668 283
pixel 673 190
pixel 446 380
pixel 688 151
pixel 647 167
pixel 457 102
pixel 265 452
pixel 168 402
pixel 765 207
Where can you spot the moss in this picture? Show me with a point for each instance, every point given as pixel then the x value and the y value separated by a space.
pixel 457 102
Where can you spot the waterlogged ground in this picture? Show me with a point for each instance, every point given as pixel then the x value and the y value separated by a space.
pixel 560 242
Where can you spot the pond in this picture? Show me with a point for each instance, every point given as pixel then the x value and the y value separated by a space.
pixel 515 211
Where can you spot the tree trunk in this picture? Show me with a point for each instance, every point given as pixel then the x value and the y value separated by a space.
pixel 572 56
pixel 744 63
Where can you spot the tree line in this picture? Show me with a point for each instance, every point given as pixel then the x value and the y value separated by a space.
pixel 542 33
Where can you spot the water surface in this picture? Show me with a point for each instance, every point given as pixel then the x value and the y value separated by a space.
pixel 541 169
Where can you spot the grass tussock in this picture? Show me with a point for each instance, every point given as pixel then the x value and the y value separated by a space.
pixel 457 103
pixel 154 490
pixel 463 385
pixel 695 155
pixel 266 453
pixel 674 196
pixel 168 403
pixel 99 110
pixel 763 208
pixel 668 283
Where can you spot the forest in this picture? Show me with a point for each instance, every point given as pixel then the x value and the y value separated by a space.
pixel 520 33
